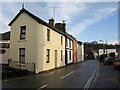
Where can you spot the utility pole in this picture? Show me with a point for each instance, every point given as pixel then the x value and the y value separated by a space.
pixel 54 8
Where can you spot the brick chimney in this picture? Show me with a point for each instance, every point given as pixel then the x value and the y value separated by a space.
pixel 64 27
pixel 59 26
pixel 51 22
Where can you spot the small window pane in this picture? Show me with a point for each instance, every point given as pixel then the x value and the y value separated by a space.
pixel 23 32
pixel 61 55
pixel 22 55
pixel 48 35
pixel 48 56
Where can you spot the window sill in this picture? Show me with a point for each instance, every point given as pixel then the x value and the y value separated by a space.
pixel 22 40
pixel 21 64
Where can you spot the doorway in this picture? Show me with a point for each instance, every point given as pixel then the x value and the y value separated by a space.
pixel 55 58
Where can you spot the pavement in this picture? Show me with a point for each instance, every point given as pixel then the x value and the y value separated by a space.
pixel 106 77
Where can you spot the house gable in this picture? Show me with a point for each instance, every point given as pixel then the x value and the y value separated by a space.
pixel 36 19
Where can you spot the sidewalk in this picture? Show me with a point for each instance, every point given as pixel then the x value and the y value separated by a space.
pixel 106 77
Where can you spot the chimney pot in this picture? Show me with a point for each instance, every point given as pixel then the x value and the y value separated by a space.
pixel 51 22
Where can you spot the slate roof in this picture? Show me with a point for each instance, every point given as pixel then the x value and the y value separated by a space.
pixel 36 19
pixel 69 36
pixel 5 36
pixel 79 42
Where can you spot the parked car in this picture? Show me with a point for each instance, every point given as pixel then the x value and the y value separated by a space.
pixel 109 60
pixel 102 57
pixel 116 64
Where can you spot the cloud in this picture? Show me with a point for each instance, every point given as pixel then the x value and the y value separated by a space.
pixel 4 21
pixel 97 15
pixel 60 1
pixel 113 42
pixel 66 11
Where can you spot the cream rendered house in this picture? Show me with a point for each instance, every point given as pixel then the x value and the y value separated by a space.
pixel 35 44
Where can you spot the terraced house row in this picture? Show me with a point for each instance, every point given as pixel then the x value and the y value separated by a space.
pixel 39 46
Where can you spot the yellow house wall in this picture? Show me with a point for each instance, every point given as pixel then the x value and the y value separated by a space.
pixel 53 44
pixel 29 43
pixel 36 44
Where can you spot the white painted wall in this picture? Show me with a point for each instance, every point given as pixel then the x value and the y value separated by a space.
pixel 30 43
pixel 78 53
pixel 36 44
pixel 53 44
pixel 4 57
pixel 82 53
pixel 108 51
pixel 68 48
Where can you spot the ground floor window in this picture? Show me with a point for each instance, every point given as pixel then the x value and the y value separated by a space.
pixel 61 55
pixel 48 56
pixel 22 55
pixel 69 55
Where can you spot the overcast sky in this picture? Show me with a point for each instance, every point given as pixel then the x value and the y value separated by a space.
pixel 87 21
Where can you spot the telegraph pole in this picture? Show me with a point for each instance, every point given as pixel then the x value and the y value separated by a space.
pixel 54 8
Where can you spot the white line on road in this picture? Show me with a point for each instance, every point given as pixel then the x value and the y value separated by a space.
pixel 42 87
pixel 88 83
pixel 90 79
pixel 67 74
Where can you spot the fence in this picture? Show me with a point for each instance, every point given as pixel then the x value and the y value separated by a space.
pixel 27 65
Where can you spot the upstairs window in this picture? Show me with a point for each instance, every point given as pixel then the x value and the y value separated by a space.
pixel 69 43
pixel 48 35
pixel 22 32
pixel 61 40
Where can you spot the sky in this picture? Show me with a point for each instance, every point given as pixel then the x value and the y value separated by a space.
pixel 86 20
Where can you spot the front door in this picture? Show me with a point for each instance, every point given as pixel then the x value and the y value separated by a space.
pixel 55 58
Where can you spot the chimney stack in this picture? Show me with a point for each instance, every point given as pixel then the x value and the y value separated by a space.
pixel 61 26
pixel 64 27
pixel 51 22
pixel 58 26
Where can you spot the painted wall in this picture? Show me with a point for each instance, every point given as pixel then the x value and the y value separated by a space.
pixel 69 48
pixel 30 43
pixel 82 52
pixel 108 51
pixel 74 51
pixel 4 56
pixel 79 53
pixel 36 44
pixel 53 44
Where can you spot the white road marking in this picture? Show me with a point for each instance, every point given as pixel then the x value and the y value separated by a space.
pixel 42 87
pixel 87 84
pixel 67 74
pixel 90 79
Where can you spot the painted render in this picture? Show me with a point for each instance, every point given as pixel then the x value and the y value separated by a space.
pixel 74 51
pixel 36 44
pixel 69 49
pixel 82 52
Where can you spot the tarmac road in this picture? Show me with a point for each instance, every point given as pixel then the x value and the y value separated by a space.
pixel 72 76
